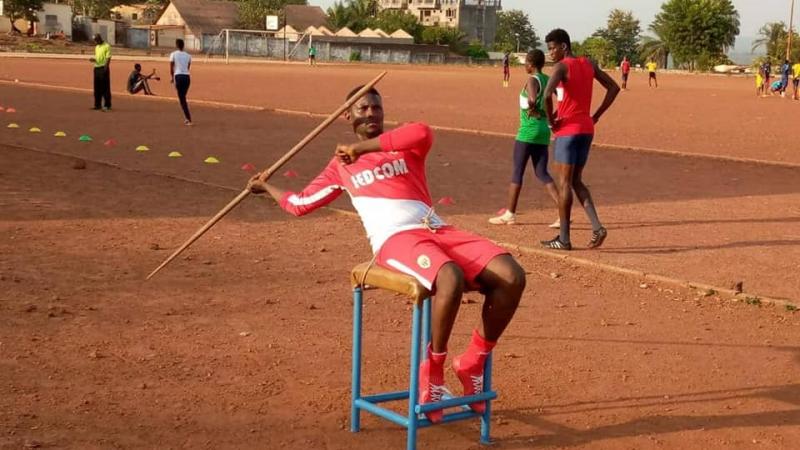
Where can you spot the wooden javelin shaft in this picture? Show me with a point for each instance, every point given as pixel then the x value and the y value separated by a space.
pixel 271 170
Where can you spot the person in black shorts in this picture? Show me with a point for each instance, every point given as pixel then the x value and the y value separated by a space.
pixel 138 82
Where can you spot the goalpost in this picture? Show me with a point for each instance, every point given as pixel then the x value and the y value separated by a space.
pixel 230 41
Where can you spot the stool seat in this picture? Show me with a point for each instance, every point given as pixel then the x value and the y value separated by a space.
pixel 366 276
pixel 381 278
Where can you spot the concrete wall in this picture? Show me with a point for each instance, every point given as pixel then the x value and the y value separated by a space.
pixel 479 22
pixel 106 28
pixel 138 38
pixel 327 50
pixel 54 18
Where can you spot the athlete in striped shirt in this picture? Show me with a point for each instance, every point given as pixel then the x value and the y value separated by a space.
pixel 384 175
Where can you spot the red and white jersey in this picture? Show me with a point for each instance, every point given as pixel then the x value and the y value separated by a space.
pixel 388 189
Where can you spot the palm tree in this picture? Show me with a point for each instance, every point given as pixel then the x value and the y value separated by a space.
pixel 655 47
pixel 771 36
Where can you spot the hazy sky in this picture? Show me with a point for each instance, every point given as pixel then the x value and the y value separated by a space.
pixel 582 17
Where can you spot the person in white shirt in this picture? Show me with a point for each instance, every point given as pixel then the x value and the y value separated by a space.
pixel 179 64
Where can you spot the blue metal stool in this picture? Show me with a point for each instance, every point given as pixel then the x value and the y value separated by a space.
pixel 380 278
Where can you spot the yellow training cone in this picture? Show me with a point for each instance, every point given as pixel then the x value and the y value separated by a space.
pixel 13 125
pixel 35 130
pixel 211 160
pixel 142 148
pixel 60 134
pixel 174 154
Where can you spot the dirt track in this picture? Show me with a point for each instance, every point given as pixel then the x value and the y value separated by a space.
pixel 694 219
pixel 710 115
pixel 93 357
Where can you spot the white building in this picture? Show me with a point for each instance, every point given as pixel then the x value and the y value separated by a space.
pixel 55 18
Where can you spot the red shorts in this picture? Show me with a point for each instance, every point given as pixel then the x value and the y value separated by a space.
pixel 421 253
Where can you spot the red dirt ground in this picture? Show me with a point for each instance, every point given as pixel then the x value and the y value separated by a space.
pixel 674 216
pixel 244 342
pixel 703 114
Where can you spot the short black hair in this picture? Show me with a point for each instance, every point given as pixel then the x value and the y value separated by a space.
pixel 559 36
pixel 137 66
pixel 536 58
pixel 179 43
pixel 372 91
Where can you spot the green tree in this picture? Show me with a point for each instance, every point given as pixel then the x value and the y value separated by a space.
pixel 354 14
pixel 513 28
pixel 95 8
pixel 451 37
pixel 393 20
pixel 622 31
pixel 773 38
pixel 22 9
pixel 253 13
pixel 598 49
pixel 655 47
pixel 697 30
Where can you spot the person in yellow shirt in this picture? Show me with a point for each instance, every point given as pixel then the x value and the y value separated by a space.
pixel 102 74
pixel 759 84
pixel 651 69
pixel 796 79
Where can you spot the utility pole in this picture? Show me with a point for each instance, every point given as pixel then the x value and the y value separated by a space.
pixel 791 32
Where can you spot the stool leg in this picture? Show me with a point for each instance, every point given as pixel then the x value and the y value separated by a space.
pixel 413 388
pixel 486 417
pixel 426 327
pixel 355 412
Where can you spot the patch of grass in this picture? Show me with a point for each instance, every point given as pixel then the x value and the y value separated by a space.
pixel 753 301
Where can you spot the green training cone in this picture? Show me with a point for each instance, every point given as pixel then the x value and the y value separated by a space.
pixel 85 138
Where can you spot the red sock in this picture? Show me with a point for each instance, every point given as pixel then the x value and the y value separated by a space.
pixel 477 351
pixel 437 366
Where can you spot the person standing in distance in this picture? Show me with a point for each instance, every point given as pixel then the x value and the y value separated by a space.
pixel 179 64
pixel 102 74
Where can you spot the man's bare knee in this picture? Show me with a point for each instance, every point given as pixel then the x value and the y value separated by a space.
pixel 450 278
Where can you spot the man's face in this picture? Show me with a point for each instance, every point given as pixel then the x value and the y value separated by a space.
pixel 367 116
pixel 557 51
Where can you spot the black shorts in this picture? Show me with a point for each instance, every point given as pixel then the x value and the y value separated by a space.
pixel 652 74
pixel 624 77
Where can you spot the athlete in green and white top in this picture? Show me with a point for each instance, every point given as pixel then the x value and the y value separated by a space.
pixel 532 141
pixel 533 127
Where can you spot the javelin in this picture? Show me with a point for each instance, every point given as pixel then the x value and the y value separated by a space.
pixel 274 168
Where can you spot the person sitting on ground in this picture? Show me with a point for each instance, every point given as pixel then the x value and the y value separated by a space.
pixel 138 82
pixel 384 174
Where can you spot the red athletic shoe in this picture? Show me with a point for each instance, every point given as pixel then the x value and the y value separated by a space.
pixel 472 380
pixel 431 388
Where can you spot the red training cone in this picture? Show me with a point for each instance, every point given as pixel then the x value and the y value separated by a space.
pixel 248 167
pixel 11 110
pixel 446 201
pixel 110 143
pixel 290 174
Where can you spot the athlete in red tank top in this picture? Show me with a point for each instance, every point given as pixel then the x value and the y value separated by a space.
pixel 573 126
pixel 574 109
